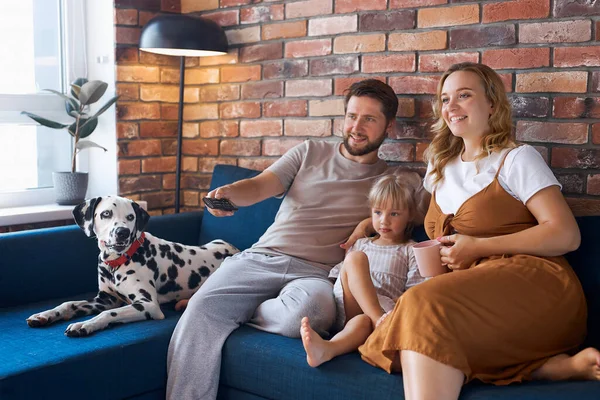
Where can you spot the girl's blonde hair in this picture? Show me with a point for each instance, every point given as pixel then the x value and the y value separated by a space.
pixel 401 191
pixel 445 146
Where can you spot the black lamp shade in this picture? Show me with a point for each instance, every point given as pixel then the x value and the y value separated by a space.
pixel 183 35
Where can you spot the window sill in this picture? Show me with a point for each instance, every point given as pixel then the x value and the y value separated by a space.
pixel 42 213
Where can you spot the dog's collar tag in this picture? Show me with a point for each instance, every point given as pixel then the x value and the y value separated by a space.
pixel 116 263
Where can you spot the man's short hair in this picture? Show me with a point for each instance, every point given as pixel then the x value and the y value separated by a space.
pixel 377 90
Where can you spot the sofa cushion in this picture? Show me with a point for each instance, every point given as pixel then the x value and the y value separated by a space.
pixel 275 367
pixel 116 363
pixel 247 225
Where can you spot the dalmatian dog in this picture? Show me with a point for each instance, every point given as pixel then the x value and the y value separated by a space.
pixel 136 270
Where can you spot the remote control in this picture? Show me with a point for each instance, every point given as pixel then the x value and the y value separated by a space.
pixel 219 204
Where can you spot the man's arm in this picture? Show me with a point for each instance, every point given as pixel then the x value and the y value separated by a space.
pixel 247 191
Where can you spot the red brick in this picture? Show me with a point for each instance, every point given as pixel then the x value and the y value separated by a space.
pixel 285 108
pixel 145 16
pixel 441 62
pixel 430 40
pixel 596 133
pixel 172 6
pixel 169 111
pixel 332 25
pixel 188 6
pixel 576 107
pixel 556 32
pixel 345 65
pixel 342 84
pixel 233 3
pixel 577 56
pixel 240 73
pixel 284 30
pixel 414 84
pixel 158 59
pixel 190 198
pixel 388 21
pixel 415 3
pixel 219 93
pixel 482 36
pixel 424 107
pixel 126 16
pixel 200 76
pixel 568 157
pixel 139 4
pixel 285 69
pixel 348 6
pixel 420 150
pixel 142 183
pixel 593 184
pixel 262 90
pixel 140 148
pixel 207 164
pixel 200 147
pixel 359 43
pixel 583 206
pixel 278 147
pixel 128 91
pixel 519 58
pixel 312 87
pixel 132 111
pixel 388 63
pixel 190 129
pixel 265 127
pixel 571 82
pixel 308 48
pixel 571 183
pixel 338 127
pixel 410 130
pixel 230 58
pixel 406 107
pixel 243 35
pixel 313 127
pixel 127 35
pixel 595 81
pixel 568 133
pixel 125 55
pixel 530 107
pixel 224 18
pixel 448 16
pixel 507 79
pixel 309 8
pixel 257 164
pixel 570 8
pixel 397 151
pixel 261 52
pixel 160 164
pixel 210 129
pixel 263 13
pixel 126 73
pixel 129 167
pixel 158 129
pixel 517 9
pixel 598 31
pixel 199 111
pixel 323 108
pixel 240 147
pixel 167 93
pixel 240 110
pixel 127 130
pixel 188 181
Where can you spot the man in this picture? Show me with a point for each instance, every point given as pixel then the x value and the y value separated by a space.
pixel 283 277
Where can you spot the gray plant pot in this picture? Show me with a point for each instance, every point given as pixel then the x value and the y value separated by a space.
pixel 70 187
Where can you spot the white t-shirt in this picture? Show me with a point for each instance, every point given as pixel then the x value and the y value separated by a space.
pixel 524 174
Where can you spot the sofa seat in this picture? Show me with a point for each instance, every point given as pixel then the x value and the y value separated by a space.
pixel 269 366
pixel 113 364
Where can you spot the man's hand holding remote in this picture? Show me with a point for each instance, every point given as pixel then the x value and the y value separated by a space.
pixel 223 192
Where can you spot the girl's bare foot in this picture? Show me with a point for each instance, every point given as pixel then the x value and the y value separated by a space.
pixel 315 347
pixel 584 365
pixel 181 305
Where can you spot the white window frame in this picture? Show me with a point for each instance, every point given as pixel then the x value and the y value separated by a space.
pixel 45 104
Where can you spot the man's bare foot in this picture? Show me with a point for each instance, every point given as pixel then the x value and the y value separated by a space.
pixel 584 365
pixel 315 347
pixel 181 305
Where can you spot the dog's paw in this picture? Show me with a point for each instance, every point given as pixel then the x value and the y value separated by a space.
pixel 37 320
pixel 78 329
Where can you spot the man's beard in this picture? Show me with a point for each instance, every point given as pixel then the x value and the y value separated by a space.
pixel 369 148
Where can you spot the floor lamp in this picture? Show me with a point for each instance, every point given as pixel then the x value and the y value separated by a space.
pixel 182 35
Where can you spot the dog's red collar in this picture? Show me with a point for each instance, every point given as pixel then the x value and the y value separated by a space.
pixel 127 256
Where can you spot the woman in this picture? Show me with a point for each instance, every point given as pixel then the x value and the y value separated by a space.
pixel 512 307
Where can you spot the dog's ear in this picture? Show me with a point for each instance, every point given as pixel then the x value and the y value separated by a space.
pixel 141 217
pixel 84 215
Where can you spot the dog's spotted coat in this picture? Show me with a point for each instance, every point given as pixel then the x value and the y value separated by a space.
pixel 158 272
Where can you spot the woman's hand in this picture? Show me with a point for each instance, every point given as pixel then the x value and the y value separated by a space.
pixel 459 251
pixel 363 229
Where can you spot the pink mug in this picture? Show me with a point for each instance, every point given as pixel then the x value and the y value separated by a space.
pixel 428 258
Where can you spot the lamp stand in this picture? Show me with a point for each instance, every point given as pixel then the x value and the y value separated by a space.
pixel 179 133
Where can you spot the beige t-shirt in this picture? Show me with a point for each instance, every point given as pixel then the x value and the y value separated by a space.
pixel 326 198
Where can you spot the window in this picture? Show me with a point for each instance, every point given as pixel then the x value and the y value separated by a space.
pixel 38 53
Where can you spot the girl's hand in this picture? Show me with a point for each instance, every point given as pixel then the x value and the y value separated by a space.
pixel 459 251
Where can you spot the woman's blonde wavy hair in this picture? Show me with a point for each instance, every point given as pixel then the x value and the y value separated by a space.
pixel 445 146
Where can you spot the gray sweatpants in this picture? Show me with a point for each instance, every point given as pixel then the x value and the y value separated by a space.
pixel 273 293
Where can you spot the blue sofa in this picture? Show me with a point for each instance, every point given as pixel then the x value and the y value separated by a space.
pixel 41 268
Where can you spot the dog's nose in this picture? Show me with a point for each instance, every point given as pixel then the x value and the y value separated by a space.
pixel 122 233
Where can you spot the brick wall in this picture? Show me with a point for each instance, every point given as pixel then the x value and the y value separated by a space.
pixel 291 61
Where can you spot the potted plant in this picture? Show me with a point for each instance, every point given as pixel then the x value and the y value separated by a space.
pixel 70 187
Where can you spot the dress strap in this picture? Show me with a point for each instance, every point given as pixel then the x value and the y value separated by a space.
pixel 502 163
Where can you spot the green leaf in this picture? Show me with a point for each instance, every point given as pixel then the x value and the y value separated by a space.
pixel 87 144
pixel 92 91
pixel 44 122
pixel 76 86
pixel 86 127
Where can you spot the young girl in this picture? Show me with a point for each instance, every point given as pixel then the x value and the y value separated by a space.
pixel 375 272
